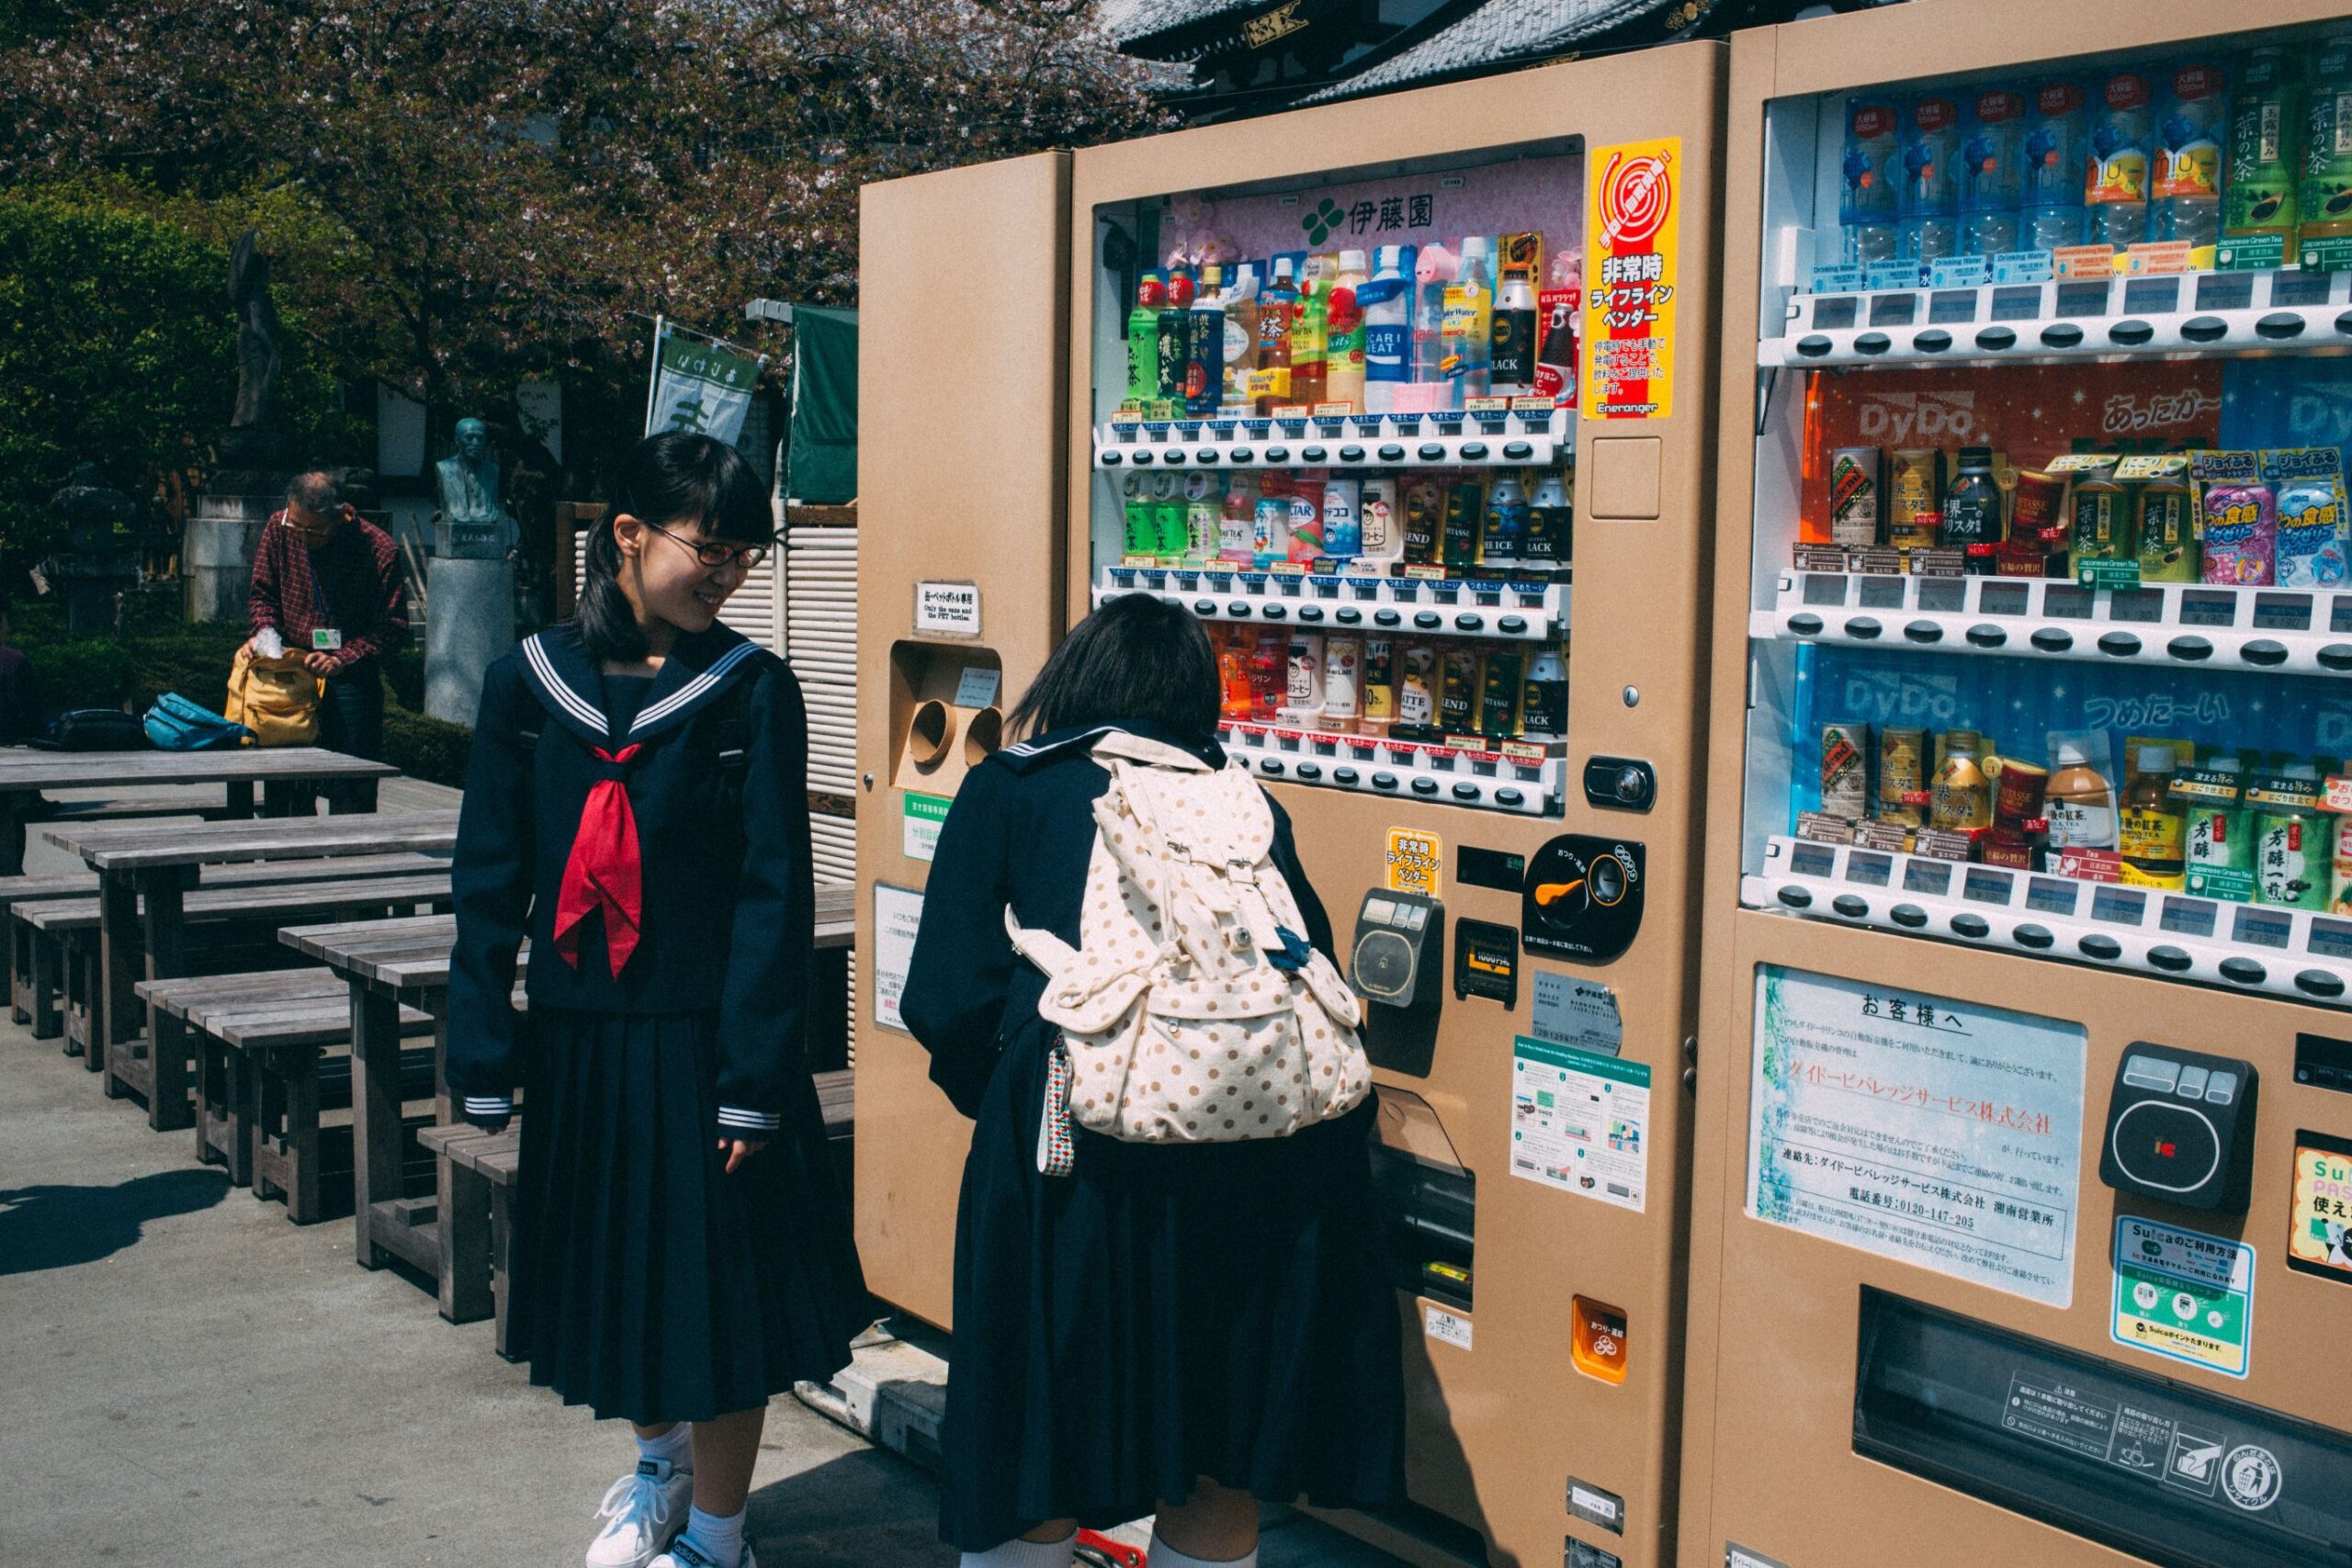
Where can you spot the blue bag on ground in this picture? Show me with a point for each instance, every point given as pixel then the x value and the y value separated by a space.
pixel 174 724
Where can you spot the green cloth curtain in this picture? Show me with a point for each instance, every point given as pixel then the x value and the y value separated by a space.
pixel 821 456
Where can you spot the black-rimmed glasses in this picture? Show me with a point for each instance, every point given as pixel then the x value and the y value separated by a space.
pixel 712 555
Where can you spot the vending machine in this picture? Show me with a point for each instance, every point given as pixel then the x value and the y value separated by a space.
pixel 2024 1159
pixel 1409 400
pixel 959 601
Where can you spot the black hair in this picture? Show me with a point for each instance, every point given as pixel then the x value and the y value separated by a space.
pixel 1135 658
pixel 315 489
pixel 674 477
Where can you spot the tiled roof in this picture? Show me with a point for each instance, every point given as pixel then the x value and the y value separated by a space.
pixel 1497 31
pixel 1126 20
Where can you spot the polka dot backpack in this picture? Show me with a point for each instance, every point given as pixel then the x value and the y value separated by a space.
pixel 1192 1009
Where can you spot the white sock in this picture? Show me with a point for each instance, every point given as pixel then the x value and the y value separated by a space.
pixel 719 1539
pixel 1019 1553
pixel 1163 1555
pixel 676 1445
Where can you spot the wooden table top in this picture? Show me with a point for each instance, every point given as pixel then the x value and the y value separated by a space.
pixel 118 848
pixel 413 954
pixel 32 767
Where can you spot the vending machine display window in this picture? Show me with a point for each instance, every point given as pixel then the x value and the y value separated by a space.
pixel 1335 418
pixel 2052 553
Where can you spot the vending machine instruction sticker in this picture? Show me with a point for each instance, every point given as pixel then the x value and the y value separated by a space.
pixel 1416 861
pixel 925 816
pixel 1580 1122
pixel 1631 229
pixel 947 609
pixel 1447 1328
pixel 1942 1133
pixel 1570 1010
pixel 897 912
pixel 2320 1213
pixel 975 686
pixel 2183 1294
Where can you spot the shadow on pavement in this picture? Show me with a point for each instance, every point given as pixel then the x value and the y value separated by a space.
pixel 53 1227
pixel 856 1511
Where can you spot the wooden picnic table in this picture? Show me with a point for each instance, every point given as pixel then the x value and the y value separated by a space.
pixel 25 771
pixel 405 962
pixel 145 871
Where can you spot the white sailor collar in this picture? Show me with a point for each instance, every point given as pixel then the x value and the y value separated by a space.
pixel 559 672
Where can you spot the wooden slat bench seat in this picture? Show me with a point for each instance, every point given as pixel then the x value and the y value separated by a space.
pixel 155 1065
pixel 25 965
pixel 478 1172
pixel 272 1054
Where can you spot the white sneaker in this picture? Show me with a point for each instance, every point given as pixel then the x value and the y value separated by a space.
pixel 644 1512
pixel 683 1555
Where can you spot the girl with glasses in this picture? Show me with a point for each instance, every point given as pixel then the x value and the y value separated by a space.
pixel 636 809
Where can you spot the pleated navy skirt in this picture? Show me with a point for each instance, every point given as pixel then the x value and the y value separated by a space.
pixel 1163 1313
pixel 646 1283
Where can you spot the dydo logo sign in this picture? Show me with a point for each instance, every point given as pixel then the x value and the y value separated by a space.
pixel 1900 418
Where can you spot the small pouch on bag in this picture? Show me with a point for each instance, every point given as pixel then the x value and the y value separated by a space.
pixel 1056 1149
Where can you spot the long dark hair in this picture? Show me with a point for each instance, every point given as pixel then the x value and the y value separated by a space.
pixel 1135 658
pixel 677 480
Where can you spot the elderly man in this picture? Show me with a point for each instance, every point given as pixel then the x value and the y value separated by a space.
pixel 329 583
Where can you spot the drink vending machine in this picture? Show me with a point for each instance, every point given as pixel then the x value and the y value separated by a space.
pixel 1409 400
pixel 2024 1154
pixel 959 601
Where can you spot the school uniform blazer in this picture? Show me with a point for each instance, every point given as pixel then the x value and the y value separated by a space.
pixel 1020 833
pixel 728 901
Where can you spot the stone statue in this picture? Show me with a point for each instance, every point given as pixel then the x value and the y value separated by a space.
pixel 258 361
pixel 470 589
pixel 474 523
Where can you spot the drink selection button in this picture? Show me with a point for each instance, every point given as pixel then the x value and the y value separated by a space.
pixel 2243 971
pixel 2171 960
pixel 2319 983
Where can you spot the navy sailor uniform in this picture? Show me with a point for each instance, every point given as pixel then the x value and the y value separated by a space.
pixel 1163 1313
pixel 668 994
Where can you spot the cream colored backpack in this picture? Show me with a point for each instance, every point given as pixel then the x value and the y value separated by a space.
pixel 1193 1009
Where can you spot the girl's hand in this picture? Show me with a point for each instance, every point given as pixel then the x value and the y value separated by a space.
pixel 739 1150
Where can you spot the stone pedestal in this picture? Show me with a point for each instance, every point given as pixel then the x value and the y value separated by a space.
pixel 217 547
pixel 469 622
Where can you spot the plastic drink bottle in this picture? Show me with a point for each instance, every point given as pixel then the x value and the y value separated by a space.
pixel 1269 387
pixel 1387 301
pixel 1345 372
pixel 2266 131
pixel 2184 187
pixel 1469 322
pixel 1433 272
pixel 1167 517
pixel 2115 191
pixel 1204 513
pixel 1510 350
pixel 1236 523
pixel 1870 178
pixel 1381 522
pixel 1992 169
pixel 2324 201
pixel 1175 324
pixel 1342 519
pixel 1143 339
pixel 2057 145
pixel 1240 342
pixel 1929 228
pixel 1309 328
pixel 1204 346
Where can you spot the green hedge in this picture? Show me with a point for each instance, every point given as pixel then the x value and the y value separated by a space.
pixel 426 748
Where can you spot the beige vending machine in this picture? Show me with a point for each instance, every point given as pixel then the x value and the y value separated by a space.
pixel 959 601
pixel 2024 1158
pixel 1407 399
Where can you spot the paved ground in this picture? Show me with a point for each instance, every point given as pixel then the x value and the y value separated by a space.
pixel 186 1379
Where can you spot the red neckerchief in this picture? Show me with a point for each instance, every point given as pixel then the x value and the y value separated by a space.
pixel 604 871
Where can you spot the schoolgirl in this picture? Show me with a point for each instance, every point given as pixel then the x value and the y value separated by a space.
pixel 636 807
pixel 1184 1328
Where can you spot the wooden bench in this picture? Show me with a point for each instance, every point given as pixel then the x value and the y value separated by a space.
pixel 24 996
pixel 263 1073
pixel 154 1066
pixel 478 1171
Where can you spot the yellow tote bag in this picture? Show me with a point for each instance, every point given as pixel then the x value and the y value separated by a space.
pixel 274 698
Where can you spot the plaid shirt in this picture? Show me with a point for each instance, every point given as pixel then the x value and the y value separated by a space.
pixel 351 585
